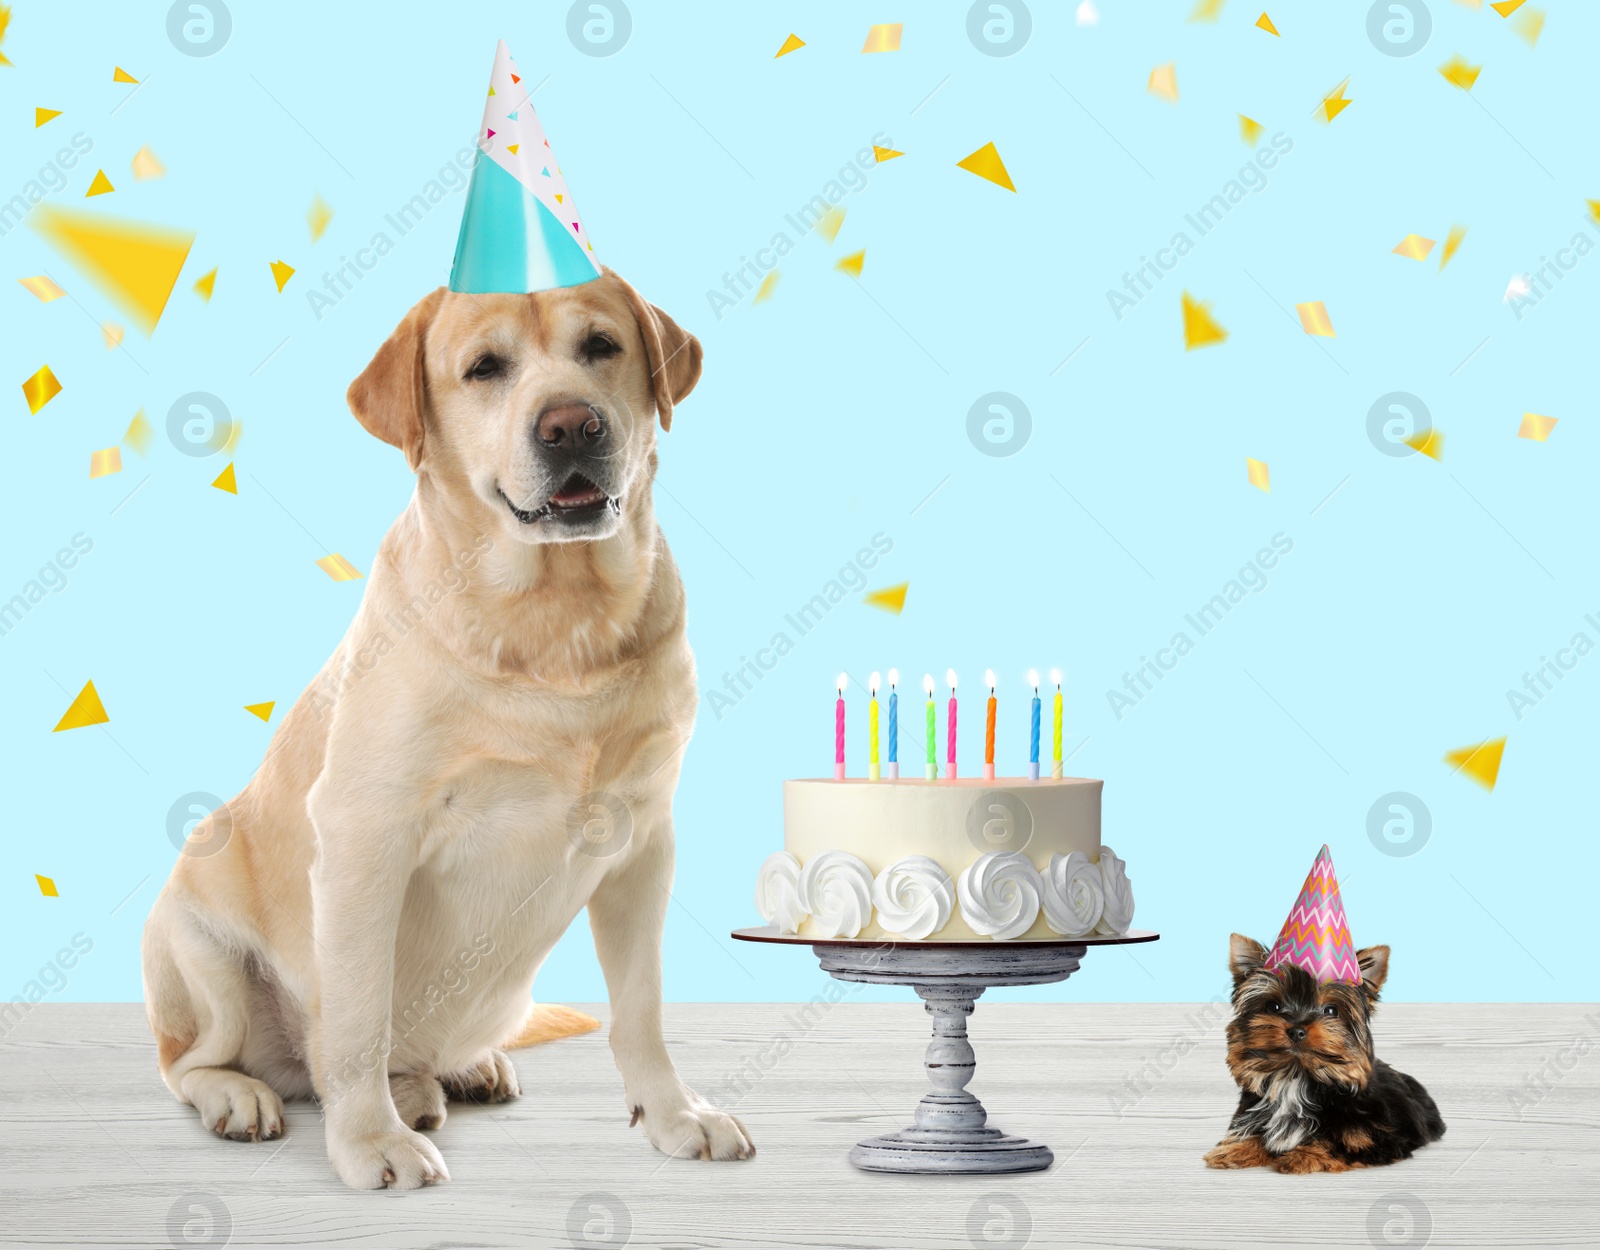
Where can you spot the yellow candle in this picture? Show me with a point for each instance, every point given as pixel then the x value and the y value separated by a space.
pixel 1055 747
pixel 872 729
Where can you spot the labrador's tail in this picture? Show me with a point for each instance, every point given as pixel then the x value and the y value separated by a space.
pixel 548 1022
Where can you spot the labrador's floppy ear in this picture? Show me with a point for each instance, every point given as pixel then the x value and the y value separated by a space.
pixel 674 355
pixel 391 393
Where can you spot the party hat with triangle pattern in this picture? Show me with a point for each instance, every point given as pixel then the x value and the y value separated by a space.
pixel 1316 936
pixel 520 230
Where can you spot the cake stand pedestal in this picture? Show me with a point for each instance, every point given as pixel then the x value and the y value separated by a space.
pixel 950 1132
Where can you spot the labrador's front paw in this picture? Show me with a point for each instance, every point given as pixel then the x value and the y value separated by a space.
pixel 689 1127
pixel 386 1160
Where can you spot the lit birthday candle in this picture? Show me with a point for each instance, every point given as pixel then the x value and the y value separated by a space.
pixel 988 729
pixel 838 731
pixel 893 766
pixel 950 727
pixel 1055 750
pixel 1033 727
pixel 872 728
pixel 932 769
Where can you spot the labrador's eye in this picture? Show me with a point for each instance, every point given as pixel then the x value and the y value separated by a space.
pixel 599 347
pixel 486 367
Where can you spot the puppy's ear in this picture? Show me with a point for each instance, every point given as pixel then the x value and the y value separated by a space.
pixel 674 355
pixel 391 394
pixel 1245 955
pixel 1374 964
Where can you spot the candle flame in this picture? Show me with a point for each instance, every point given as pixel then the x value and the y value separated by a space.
pixel 872 685
pixel 894 678
pixel 988 679
pixel 844 680
pixel 950 678
pixel 1055 676
pixel 927 683
pixel 1033 679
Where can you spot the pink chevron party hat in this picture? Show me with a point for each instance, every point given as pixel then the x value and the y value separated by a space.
pixel 1316 936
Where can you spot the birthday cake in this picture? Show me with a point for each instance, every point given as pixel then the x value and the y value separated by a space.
pixel 949 859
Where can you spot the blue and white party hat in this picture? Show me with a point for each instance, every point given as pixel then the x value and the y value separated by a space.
pixel 520 230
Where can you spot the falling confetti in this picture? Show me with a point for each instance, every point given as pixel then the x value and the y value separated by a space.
pixel 281 273
pixel 226 480
pixel 338 568
pixel 233 437
pixel 1087 14
pixel 1200 329
pixel 1334 103
pixel 43 287
pixel 1452 242
pixel 205 284
pixel 86 709
pixel 47 885
pixel 1257 472
pixel 1594 209
pixel 5 20
pixel 106 461
pixel 135 264
pixel 1207 10
pixel 1164 82
pixel 1536 428
pixel 1265 23
pixel 100 186
pixel 852 263
pixel 1505 8
pixel 1414 247
pixel 769 284
pixel 40 389
pixel 986 163
pixel 1518 288
pixel 261 710
pixel 319 215
pixel 139 433
pixel 41 116
pixel 111 335
pixel 884 37
pixel 1530 26
pixel 1459 74
pixel 1314 319
pixel 792 44
pixel 1429 442
pixel 1481 763
pixel 122 75
pixel 879 155
pixel 1250 129
pixel 146 165
pixel 828 224
pixel 890 598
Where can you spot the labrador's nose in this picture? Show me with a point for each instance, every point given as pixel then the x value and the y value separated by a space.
pixel 1297 1033
pixel 571 427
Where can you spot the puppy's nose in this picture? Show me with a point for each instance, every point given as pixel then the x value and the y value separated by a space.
pixel 572 427
pixel 1297 1033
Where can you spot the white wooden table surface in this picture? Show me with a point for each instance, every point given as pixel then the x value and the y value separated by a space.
pixel 95 1152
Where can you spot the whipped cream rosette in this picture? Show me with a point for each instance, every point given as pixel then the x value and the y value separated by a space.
pixel 778 892
pixel 836 888
pixel 999 894
pixel 1074 897
pixel 914 897
pixel 1118 912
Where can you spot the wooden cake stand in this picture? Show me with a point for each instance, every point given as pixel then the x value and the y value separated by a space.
pixel 951 1132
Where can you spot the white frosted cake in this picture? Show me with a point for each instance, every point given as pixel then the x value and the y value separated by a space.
pixel 946 860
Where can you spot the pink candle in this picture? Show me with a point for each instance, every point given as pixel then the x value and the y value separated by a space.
pixel 950 728
pixel 838 732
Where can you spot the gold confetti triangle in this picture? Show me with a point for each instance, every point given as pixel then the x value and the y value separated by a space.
pixel 1535 427
pixel 1265 23
pixel 205 284
pixel 884 37
pixel 1458 73
pixel 769 284
pixel 1481 763
pixel 281 273
pixel 338 568
pixel 106 461
pixel 1259 475
pixel 43 287
pixel 890 598
pixel 792 44
pixel 1414 247
pixel 226 480
pixel 1429 442
pixel 879 155
pixel 100 186
pixel 233 437
pixel 136 264
pixel 1505 8
pixel 261 710
pixel 986 163
pixel 852 263
pixel 1530 26
pixel 139 433
pixel 146 166
pixel 40 389
pixel 1334 103
pixel 1200 329
pixel 122 75
pixel 319 214
pixel 111 333
pixel 1250 129
pixel 828 224
pixel 1452 242
pixel 86 709
pixel 1594 210
pixel 41 116
pixel 5 20
pixel 513 149
pixel 1207 10
pixel 47 886
pixel 1164 82
pixel 1314 319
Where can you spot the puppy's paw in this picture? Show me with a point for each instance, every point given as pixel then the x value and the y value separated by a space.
pixel 1313 1158
pixel 419 1098
pixel 689 1127
pixel 1238 1152
pixel 491 1079
pixel 238 1107
pixel 386 1160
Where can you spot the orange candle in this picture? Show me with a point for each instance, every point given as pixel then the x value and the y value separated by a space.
pixel 988 730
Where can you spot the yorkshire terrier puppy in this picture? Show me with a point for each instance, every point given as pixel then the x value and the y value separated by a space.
pixel 1316 1099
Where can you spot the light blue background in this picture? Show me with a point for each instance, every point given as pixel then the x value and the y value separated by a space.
pixel 1414 597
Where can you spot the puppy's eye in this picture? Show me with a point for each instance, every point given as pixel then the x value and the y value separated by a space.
pixel 599 347
pixel 485 367
pixel 1274 1008
pixel 1330 1010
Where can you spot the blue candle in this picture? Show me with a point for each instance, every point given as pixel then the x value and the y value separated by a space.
pixel 894 724
pixel 1033 731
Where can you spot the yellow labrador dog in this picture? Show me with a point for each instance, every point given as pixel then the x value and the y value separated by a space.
pixel 493 747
